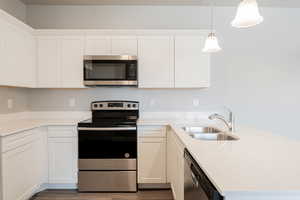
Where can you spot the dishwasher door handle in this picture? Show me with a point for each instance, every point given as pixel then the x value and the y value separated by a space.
pixel 194 179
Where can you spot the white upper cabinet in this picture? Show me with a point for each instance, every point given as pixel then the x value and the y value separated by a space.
pixel 156 62
pixel 60 61
pixel 124 45
pixel 97 45
pixel 54 59
pixel 72 62
pixel 17 49
pixel 192 66
pixel 49 62
pixel 29 52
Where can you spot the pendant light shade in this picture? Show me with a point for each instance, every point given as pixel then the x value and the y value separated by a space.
pixel 247 15
pixel 211 44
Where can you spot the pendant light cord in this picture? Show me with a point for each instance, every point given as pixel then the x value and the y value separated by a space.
pixel 212 15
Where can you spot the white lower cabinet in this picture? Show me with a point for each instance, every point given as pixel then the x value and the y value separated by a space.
pixel 21 166
pixel 62 153
pixel 151 154
pixel 62 160
pixel 175 164
pixel 152 160
pixel 47 156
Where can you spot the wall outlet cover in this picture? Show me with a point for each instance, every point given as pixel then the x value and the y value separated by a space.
pixel 10 103
pixel 72 102
pixel 196 102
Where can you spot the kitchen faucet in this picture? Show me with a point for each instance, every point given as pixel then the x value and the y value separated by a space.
pixel 230 123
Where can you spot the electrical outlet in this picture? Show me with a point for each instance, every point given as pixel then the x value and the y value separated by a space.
pixel 10 103
pixel 72 102
pixel 196 102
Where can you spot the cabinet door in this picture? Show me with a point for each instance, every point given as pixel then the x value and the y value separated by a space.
pixel 29 74
pixel 20 172
pixel 49 62
pixel 192 66
pixel 42 155
pixel 175 172
pixel 2 52
pixel 124 45
pixel 62 160
pixel 97 45
pixel 151 160
pixel 72 62
pixel 10 53
pixel 156 62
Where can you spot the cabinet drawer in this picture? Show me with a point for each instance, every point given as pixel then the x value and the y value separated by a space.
pixel 62 131
pixel 152 131
pixel 19 139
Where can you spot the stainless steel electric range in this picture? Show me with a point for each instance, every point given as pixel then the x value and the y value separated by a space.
pixel 107 147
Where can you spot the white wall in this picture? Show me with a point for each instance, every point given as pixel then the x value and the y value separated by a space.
pixel 15 8
pixel 257 73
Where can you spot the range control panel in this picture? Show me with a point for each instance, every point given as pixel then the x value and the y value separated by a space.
pixel 115 105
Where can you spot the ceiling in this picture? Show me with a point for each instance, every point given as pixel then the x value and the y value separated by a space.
pixel 268 3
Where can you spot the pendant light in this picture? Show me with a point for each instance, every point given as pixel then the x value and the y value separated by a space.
pixel 211 43
pixel 247 15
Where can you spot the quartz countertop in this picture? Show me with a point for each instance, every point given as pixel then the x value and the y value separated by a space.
pixel 11 124
pixel 19 125
pixel 259 163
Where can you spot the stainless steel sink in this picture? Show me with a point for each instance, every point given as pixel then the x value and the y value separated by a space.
pixel 199 129
pixel 208 133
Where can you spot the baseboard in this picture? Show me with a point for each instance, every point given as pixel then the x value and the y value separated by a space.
pixel 29 193
pixel 61 186
pixel 150 186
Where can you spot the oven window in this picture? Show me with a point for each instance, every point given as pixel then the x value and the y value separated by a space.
pixel 107 144
pixel 105 71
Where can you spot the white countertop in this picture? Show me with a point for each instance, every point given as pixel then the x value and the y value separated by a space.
pixel 19 125
pixel 14 123
pixel 258 163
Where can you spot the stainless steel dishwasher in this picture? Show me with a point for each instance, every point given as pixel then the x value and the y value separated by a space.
pixel 197 186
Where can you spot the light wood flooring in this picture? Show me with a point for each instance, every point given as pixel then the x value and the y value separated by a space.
pixel 74 195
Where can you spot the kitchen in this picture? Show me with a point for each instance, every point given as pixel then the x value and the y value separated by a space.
pixel 255 75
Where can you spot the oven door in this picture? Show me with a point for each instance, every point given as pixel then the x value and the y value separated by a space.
pixel 113 70
pixel 107 142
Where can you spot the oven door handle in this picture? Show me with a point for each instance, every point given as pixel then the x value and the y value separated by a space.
pixel 107 129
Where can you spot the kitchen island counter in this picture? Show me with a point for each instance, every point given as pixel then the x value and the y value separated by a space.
pixel 260 165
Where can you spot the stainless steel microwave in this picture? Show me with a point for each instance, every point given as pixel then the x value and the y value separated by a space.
pixel 120 70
